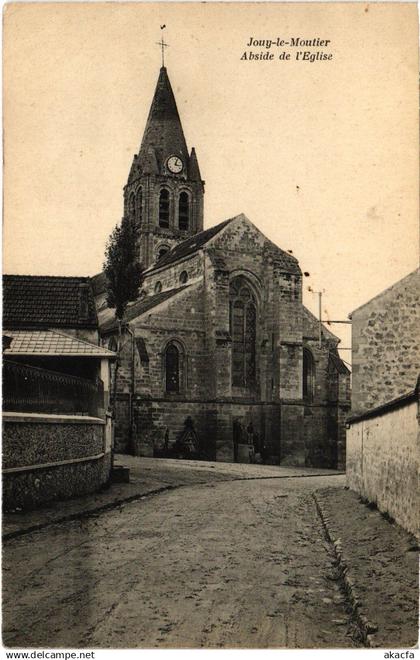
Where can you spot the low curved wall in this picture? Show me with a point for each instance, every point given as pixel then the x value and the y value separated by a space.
pixel 383 459
pixel 49 457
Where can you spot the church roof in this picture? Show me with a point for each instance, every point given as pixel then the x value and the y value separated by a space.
pixel 189 246
pixel 141 306
pixel 163 134
pixel 40 300
pixel 311 323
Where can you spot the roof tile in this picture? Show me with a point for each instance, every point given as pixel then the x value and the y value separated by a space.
pixel 33 301
pixel 141 306
pixel 189 246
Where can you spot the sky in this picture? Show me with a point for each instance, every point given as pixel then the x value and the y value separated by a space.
pixel 321 156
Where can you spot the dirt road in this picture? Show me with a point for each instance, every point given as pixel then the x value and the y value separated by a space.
pixel 223 564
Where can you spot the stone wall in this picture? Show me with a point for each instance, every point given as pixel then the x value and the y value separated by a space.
pixel 49 457
pixel 169 277
pixel 286 434
pixel 386 348
pixel 383 451
pixel 164 421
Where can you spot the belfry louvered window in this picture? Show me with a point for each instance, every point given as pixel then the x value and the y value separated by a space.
pixel 132 206
pixel 164 208
pixel 139 205
pixel 243 328
pixel 184 211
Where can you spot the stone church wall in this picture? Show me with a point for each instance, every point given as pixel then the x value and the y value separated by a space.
pixel 181 321
pixel 164 421
pixel 156 330
pixel 292 434
pixel 288 434
pixel 170 276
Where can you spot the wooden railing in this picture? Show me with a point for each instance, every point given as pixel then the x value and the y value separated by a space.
pixel 32 389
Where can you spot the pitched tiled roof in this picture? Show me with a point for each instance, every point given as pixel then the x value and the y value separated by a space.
pixel 190 245
pixel 34 301
pixel 50 342
pixel 141 306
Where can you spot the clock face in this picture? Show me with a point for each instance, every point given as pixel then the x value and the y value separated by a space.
pixel 174 164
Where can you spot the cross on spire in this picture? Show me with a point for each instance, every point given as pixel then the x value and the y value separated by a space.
pixel 162 44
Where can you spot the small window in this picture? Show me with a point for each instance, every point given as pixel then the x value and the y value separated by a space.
pixel 158 287
pixel 183 278
pixel 162 251
pixel 184 211
pixel 164 208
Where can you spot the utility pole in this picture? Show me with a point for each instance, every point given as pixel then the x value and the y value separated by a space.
pixel 320 317
pixel 327 321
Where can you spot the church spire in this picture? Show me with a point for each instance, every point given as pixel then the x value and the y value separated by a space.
pixel 164 191
pixel 163 133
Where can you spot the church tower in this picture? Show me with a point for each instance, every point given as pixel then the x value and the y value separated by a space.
pixel 164 191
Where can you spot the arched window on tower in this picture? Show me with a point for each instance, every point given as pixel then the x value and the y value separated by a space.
pixel 164 208
pixel 132 206
pixel 308 376
pixel 139 205
pixel 184 211
pixel 173 368
pixel 162 250
pixel 243 328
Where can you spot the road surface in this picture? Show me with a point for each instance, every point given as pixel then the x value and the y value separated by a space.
pixel 221 564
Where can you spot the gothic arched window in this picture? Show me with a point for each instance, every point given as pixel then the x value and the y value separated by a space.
pixel 184 211
pixel 243 328
pixel 308 375
pixel 132 206
pixel 139 205
pixel 164 208
pixel 172 368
